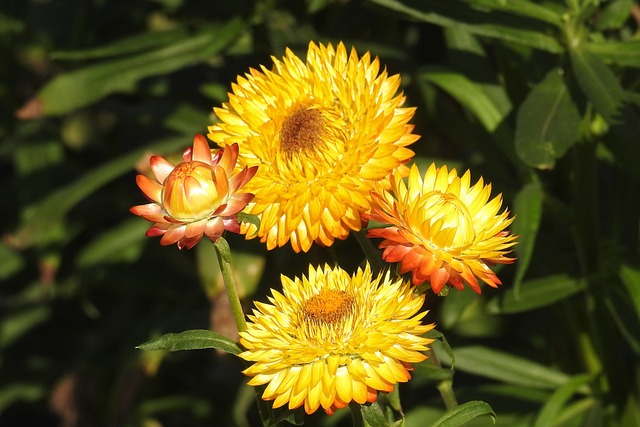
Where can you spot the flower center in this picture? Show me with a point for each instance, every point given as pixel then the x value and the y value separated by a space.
pixel 449 224
pixel 302 131
pixel 190 192
pixel 329 306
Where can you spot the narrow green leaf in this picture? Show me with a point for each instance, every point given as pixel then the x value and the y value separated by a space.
pixel 506 367
pixel 468 93
pixel 40 219
pixel 451 14
pixel 527 208
pixel 465 413
pixel 549 413
pixel 79 88
pixel 191 340
pixel 116 244
pixel 12 261
pixel 519 7
pixel 133 44
pixel 613 15
pixel 603 90
pixel 373 415
pixel 619 52
pixel 548 122
pixel 18 323
pixel 630 277
pixel 535 293
pixel 20 392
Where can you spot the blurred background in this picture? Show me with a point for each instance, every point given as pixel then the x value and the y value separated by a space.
pixel 540 98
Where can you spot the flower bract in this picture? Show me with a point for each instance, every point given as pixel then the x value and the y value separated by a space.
pixel 197 197
pixel 443 229
pixel 332 338
pixel 323 131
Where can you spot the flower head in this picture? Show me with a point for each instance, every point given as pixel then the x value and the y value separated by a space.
pixel 197 197
pixel 324 131
pixel 332 338
pixel 443 229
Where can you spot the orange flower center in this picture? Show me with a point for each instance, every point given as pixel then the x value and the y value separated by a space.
pixel 302 131
pixel 190 192
pixel 329 306
pixel 448 225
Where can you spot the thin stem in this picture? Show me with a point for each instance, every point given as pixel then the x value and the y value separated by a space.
pixel 445 387
pixel 370 251
pixel 224 259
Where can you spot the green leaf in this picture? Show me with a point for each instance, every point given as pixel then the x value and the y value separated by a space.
pixel 18 323
pixel 122 242
pixel 20 392
pixel 536 293
pixel 447 13
pixel 192 340
pixel 619 52
pixel 603 90
pixel 548 122
pixel 41 219
pixel 12 261
pixel 630 277
pixel 465 413
pixel 614 14
pixel 222 246
pixel 506 367
pixel 468 93
pixel 454 307
pixel 519 7
pixel 76 89
pixel 252 219
pixel 550 411
pixel 527 208
pixel 373 415
pixel 133 44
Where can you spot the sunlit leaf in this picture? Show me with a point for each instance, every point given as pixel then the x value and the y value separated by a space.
pixel 548 122
pixel 191 340
pixel 465 413
pixel 373 415
pixel 467 93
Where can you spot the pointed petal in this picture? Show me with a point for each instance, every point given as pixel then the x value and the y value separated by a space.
pixel 160 168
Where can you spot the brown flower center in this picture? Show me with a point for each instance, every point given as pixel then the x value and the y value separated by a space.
pixel 302 131
pixel 329 306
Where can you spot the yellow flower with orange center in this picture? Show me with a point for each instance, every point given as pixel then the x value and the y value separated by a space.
pixel 197 197
pixel 324 132
pixel 333 338
pixel 442 229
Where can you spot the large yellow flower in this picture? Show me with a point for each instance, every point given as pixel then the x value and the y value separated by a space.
pixel 332 338
pixel 443 229
pixel 197 197
pixel 323 133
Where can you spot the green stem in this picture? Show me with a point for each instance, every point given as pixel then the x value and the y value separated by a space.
pixel 445 387
pixel 370 251
pixel 224 259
